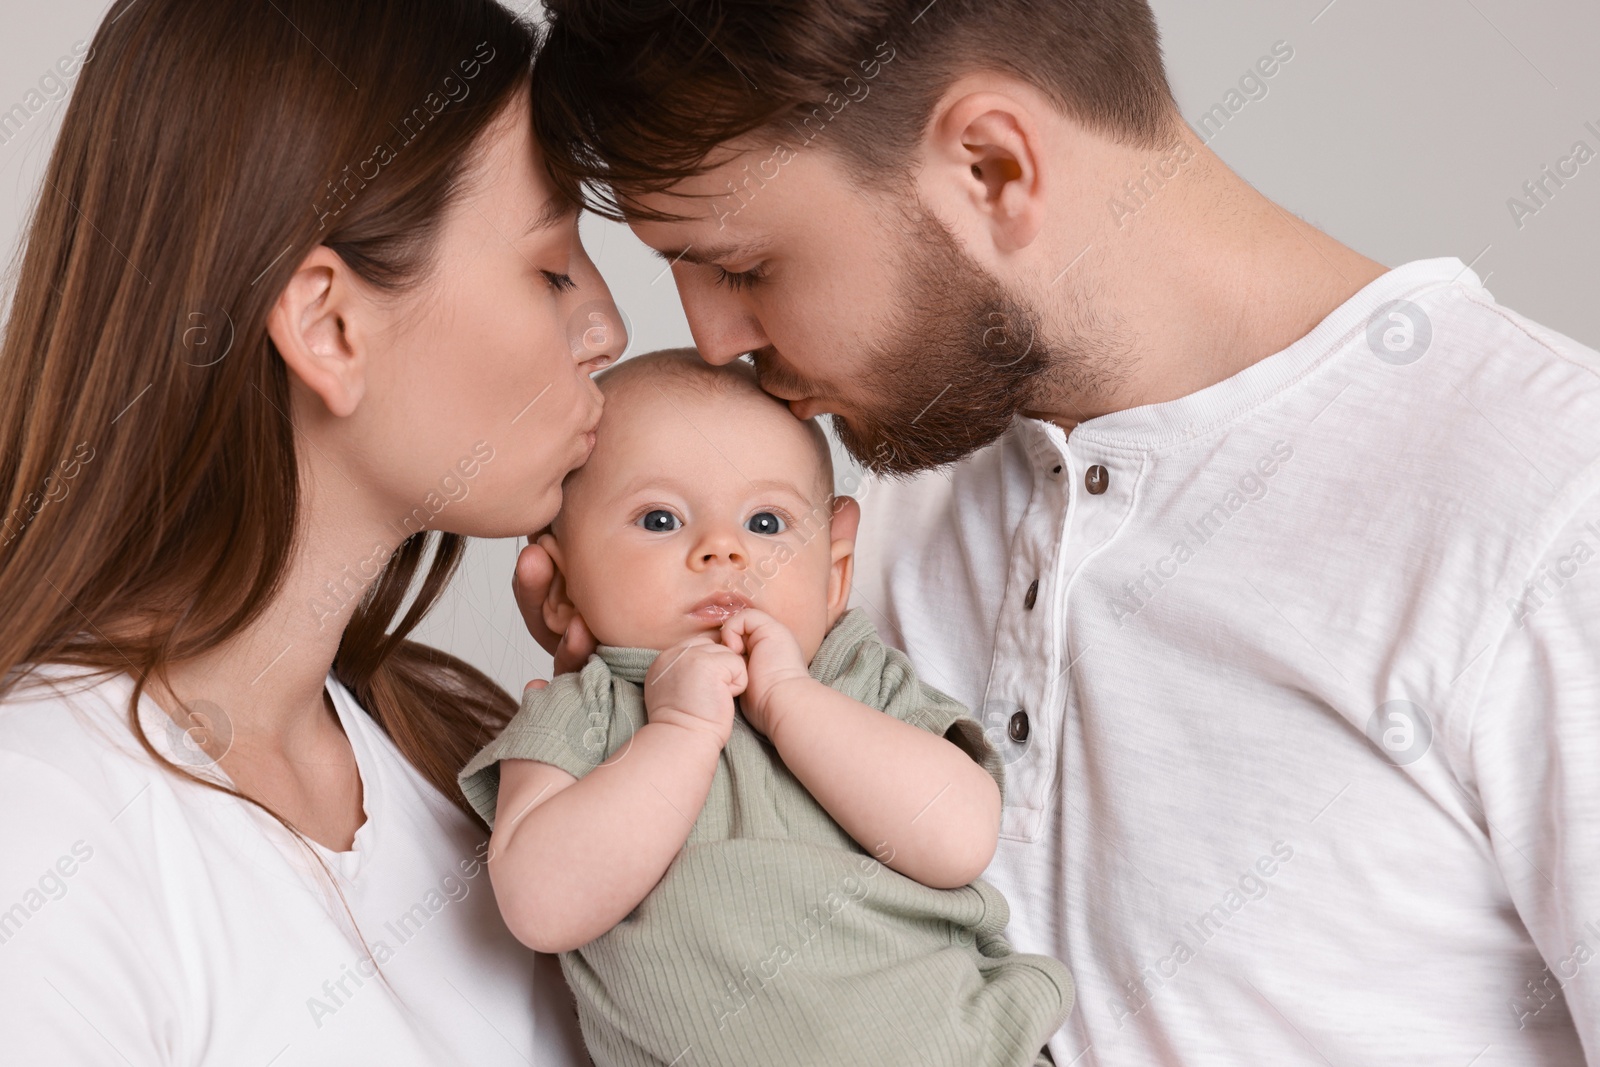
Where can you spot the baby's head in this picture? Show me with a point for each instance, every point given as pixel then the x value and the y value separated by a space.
pixel 703 495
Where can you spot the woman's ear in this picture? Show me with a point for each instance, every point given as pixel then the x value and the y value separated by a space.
pixel 558 608
pixel 318 326
pixel 842 533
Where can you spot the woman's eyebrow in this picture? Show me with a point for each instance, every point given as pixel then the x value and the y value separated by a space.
pixel 556 210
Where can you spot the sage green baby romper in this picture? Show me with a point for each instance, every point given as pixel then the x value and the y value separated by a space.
pixel 774 938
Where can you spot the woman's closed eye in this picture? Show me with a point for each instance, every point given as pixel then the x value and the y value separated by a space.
pixel 561 283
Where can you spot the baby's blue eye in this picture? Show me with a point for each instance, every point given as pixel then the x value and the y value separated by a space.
pixel 660 521
pixel 765 522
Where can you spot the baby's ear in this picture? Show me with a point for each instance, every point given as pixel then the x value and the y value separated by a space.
pixel 842 534
pixel 558 608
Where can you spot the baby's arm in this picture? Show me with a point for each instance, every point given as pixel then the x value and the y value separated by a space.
pixel 920 803
pixel 571 857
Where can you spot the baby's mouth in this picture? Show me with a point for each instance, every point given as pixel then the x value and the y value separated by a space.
pixel 719 607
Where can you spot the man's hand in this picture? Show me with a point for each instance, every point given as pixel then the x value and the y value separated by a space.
pixel 692 684
pixel 529 584
pixel 774 662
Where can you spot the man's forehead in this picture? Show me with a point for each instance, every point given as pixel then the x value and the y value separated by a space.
pixel 707 211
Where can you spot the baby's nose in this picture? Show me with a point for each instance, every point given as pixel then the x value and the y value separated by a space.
pixel 720 547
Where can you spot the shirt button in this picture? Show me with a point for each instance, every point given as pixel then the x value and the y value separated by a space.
pixel 1031 596
pixel 1017 729
pixel 1096 479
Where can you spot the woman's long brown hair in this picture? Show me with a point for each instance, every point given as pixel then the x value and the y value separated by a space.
pixel 150 486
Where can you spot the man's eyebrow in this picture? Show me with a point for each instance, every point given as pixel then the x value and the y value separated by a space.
pixel 706 254
pixel 556 210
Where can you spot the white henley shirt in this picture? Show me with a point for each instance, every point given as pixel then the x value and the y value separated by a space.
pixel 1298 681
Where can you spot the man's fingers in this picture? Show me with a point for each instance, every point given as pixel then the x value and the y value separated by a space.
pixel 537 683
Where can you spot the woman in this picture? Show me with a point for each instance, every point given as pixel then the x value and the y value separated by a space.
pixel 293 318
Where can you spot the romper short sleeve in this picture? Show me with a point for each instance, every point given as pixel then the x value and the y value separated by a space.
pixel 572 723
pixel 857 663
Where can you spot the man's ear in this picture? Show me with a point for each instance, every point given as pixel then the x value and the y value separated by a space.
pixel 558 608
pixel 319 328
pixel 984 155
pixel 842 534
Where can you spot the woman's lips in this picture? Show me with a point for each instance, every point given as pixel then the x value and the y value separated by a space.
pixel 719 607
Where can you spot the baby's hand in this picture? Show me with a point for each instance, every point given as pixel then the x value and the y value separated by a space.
pixel 774 659
pixel 692 684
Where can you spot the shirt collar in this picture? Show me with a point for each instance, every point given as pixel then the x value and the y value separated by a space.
pixel 1155 426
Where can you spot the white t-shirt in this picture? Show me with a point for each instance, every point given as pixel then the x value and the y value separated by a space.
pixel 146 920
pixel 1306 696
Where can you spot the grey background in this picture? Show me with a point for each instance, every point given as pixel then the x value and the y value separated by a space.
pixel 1401 127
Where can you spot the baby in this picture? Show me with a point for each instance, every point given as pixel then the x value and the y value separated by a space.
pixel 751 833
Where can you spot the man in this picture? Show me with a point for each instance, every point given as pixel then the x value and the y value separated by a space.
pixel 1269 569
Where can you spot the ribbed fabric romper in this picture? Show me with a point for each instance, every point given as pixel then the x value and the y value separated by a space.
pixel 774 938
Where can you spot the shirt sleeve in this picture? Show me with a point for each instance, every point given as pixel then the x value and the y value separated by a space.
pixel 82 976
pixel 569 724
pixel 1535 753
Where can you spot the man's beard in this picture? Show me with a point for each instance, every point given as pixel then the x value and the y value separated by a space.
pixel 961 358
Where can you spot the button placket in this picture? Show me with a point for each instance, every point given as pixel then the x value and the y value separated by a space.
pixel 1015 712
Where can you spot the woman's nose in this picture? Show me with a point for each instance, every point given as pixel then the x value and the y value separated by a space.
pixel 597 333
pixel 597 330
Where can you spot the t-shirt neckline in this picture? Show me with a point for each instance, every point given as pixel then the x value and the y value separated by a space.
pixel 1152 426
pixel 348 863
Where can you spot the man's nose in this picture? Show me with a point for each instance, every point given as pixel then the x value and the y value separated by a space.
pixel 724 327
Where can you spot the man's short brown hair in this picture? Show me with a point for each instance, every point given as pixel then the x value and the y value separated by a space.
pixel 632 96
